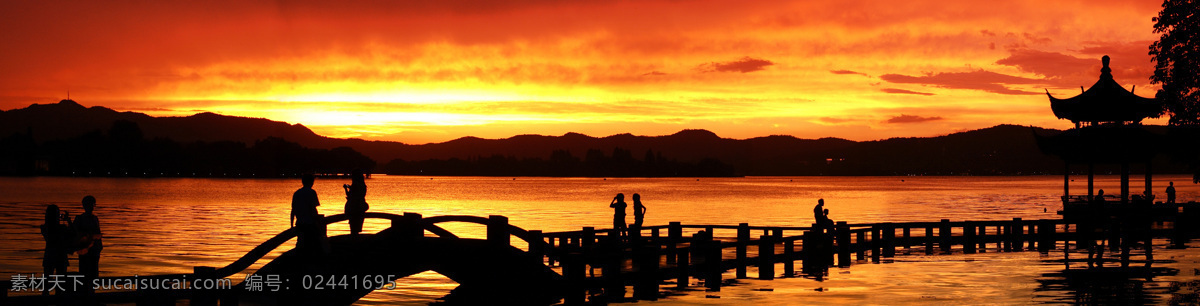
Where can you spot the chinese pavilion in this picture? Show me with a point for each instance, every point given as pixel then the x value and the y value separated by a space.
pixel 1107 131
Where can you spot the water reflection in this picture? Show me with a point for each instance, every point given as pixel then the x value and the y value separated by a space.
pixel 169 225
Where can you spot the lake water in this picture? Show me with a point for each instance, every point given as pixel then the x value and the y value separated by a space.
pixel 169 225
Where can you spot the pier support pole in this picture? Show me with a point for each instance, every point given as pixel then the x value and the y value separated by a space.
pixel 647 286
pixel 969 235
pixel 983 239
pixel 889 240
pixel 743 239
pixel 674 236
pixel 946 236
pixel 681 264
pixel 929 238
pixel 766 257
pixel 1018 237
pixel 907 238
pixel 574 270
pixel 860 243
pixel 843 242
pixel 876 244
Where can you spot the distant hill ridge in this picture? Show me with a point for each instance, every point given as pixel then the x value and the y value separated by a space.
pixel 1003 149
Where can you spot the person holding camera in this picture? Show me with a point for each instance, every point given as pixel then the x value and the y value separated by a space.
pixel 58 240
pixel 356 201
pixel 618 205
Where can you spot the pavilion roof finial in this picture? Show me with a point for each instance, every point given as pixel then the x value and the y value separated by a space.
pixel 1105 72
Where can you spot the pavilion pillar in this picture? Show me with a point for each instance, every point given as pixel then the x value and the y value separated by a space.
pixel 1125 183
pixel 1091 181
pixel 1066 181
pixel 1149 179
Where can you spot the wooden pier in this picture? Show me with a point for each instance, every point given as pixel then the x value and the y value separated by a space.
pixel 597 265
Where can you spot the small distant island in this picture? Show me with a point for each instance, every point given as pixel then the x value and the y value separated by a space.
pixel 68 139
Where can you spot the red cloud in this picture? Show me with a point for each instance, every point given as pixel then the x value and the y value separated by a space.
pixel 911 119
pixel 978 80
pixel 903 91
pixel 744 65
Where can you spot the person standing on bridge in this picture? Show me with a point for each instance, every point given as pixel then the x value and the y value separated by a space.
pixel 87 226
pixel 356 201
pixel 639 212
pixel 58 240
pixel 304 212
pixel 618 205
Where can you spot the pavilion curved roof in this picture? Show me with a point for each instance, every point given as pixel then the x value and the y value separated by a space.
pixel 1105 101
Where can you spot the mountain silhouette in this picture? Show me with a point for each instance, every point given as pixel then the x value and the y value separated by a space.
pixel 1003 149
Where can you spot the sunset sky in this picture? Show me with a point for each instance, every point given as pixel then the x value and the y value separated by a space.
pixel 431 71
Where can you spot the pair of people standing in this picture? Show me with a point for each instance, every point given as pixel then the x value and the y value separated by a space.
pixel 639 213
pixel 82 236
pixel 305 202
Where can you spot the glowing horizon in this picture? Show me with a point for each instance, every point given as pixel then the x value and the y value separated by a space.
pixel 419 72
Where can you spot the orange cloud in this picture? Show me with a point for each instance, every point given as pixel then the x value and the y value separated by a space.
pixel 437 70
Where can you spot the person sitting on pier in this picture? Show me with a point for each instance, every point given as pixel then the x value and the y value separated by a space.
pixel 356 201
pixel 639 212
pixel 826 222
pixel 1171 193
pixel 304 212
pixel 618 205
pixel 57 236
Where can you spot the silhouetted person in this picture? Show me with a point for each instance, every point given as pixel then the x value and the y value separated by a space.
pixel 304 212
pixel 639 212
pixel 826 222
pixel 87 226
pixel 58 240
pixel 819 213
pixel 356 201
pixel 618 205
pixel 1171 193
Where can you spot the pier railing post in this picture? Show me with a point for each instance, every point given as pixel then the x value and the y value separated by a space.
pixel 1018 237
pixel 743 239
pixel 907 237
pixel 497 231
pixel 789 261
pixel 929 238
pixel 712 262
pixel 982 237
pixel 537 245
pixel 843 242
pixel 944 231
pixel 589 237
pixel 203 296
pixel 889 240
pixel 766 257
pixel 876 245
pixel 969 235
pixel 860 244
pixel 674 236
pixel 409 225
